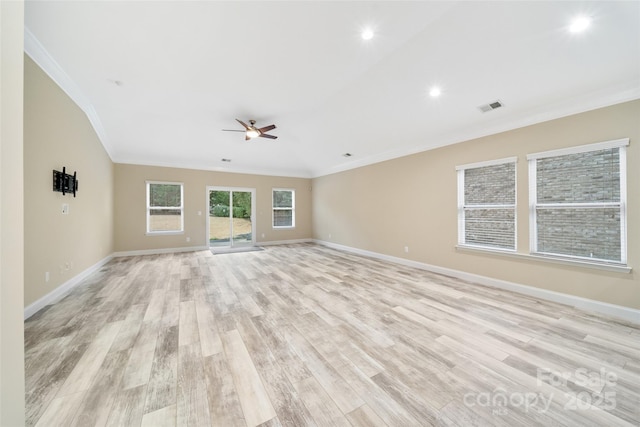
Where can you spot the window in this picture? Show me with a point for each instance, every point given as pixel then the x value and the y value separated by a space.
pixel 487 204
pixel 164 207
pixel 577 199
pixel 284 208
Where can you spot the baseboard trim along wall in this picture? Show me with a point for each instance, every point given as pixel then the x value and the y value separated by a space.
pixel 626 313
pixel 284 242
pixel 200 248
pixel 58 293
pixel 621 312
pixel 159 251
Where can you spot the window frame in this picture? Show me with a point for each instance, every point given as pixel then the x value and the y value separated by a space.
pixel 292 208
pixel 462 206
pixel 149 208
pixel 532 159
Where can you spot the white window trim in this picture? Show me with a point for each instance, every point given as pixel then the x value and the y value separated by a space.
pixel 580 149
pixel 461 223
pixel 292 209
pixel 533 196
pixel 574 262
pixel 165 233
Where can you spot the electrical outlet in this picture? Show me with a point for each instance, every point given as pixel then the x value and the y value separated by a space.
pixel 67 266
pixel 46 276
pixel 406 249
pixel 263 235
pixel 188 239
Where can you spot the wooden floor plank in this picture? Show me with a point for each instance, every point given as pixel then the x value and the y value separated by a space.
pixel 253 397
pixel 163 417
pixel 83 374
pixel 96 406
pixel 192 404
pixel 224 407
pixel 364 416
pixel 161 390
pixel 61 411
pixel 127 409
pixel 302 334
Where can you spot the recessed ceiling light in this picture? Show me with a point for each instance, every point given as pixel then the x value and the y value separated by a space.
pixel 435 92
pixel 367 34
pixel 579 24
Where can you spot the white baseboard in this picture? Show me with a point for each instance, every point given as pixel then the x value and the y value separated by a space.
pixel 284 242
pixel 62 290
pixel 626 313
pixel 199 248
pixel 159 251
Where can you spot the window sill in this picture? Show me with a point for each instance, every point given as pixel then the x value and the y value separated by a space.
pixel 163 233
pixel 283 227
pixel 618 268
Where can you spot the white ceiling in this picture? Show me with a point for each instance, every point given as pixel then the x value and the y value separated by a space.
pixel 188 69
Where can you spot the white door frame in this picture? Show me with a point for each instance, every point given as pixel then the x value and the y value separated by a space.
pixel 253 212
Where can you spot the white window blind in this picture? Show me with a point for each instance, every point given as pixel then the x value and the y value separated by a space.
pixel 578 202
pixel 487 204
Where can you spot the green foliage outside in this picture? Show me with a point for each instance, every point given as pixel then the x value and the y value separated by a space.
pixel 220 210
pixel 283 199
pixel 219 202
pixel 164 195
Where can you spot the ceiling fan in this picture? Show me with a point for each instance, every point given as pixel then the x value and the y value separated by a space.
pixel 251 131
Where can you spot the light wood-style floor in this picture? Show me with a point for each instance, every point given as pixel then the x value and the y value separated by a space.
pixel 305 335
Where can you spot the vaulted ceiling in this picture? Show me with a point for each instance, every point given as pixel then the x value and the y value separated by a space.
pixel 159 80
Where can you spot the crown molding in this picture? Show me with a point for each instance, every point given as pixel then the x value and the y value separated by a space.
pixel 594 100
pixel 223 169
pixel 50 66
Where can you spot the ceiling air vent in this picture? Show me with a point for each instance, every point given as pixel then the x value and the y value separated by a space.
pixel 491 106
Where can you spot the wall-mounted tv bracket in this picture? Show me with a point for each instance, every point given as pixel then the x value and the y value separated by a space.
pixel 64 182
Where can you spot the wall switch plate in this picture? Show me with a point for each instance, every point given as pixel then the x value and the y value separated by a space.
pixel 65 209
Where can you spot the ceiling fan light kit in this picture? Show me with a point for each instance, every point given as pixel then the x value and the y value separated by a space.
pixel 251 131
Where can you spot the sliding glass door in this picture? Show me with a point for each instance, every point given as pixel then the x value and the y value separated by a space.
pixel 231 213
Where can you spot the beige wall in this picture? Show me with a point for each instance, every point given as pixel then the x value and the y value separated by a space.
pixel 57 133
pixel 11 215
pixel 130 205
pixel 412 201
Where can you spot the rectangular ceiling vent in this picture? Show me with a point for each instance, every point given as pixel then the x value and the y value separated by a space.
pixel 491 106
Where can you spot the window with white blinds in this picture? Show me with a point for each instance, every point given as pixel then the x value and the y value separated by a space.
pixel 577 200
pixel 487 204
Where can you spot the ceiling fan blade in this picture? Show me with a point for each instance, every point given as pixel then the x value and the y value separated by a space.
pixel 232 130
pixel 246 126
pixel 267 128
pixel 264 135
